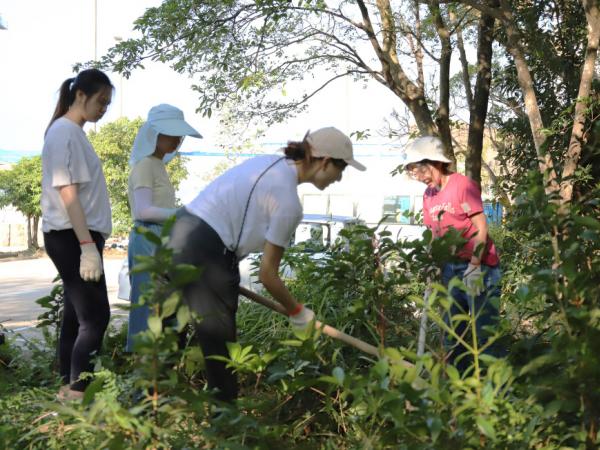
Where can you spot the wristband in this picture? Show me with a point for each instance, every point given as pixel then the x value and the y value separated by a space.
pixel 86 242
pixel 296 310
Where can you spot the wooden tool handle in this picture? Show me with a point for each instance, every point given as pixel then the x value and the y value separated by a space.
pixel 326 329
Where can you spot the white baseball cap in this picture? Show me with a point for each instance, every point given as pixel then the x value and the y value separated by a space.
pixel 162 119
pixel 333 143
pixel 426 147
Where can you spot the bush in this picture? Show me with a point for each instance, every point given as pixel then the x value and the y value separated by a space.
pixel 312 392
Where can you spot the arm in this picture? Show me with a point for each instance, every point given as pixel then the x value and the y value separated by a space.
pixel 70 197
pixel 90 263
pixel 480 239
pixel 143 209
pixel 269 276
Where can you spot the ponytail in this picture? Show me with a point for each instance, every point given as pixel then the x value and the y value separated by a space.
pixel 89 82
pixel 298 150
pixel 66 97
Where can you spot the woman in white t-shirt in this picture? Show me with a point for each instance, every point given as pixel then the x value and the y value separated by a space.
pixel 251 207
pixel 76 220
pixel 151 195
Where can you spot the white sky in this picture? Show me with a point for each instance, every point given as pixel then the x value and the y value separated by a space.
pixel 45 38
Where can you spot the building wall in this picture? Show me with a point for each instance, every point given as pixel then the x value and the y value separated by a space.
pixel 13 230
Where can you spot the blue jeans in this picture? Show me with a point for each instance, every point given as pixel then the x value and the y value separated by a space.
pixel 484 308
pixel 138 245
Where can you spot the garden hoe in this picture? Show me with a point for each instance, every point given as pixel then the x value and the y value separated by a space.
pixel 326 329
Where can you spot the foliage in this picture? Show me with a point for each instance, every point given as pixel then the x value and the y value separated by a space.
pixel 311 392
pixel 265 60
pixel 554 56
pixel 113 143
pixel 21 187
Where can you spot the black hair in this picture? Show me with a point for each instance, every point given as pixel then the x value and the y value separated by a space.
pixel 302 151
pixel 89 81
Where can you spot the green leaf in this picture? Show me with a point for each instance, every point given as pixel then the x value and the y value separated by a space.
pixel 149 235
pixel 185 273
pixel 93 388
pixel 486 427
pixel 183 317
pixel 536 363
pixel 170 305
pixel 155 325
pixel 588 222
pixel 339 375
pixel 435 427
pixel 452 373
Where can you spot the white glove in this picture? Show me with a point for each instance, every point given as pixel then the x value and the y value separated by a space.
pixel 473 278
pixel 90 263
pixel 302 319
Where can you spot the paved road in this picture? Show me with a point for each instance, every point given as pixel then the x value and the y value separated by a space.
pixel 22 282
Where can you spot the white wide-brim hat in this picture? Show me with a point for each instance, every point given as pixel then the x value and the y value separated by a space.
pixel 162 119
pixel 333 143
pixel 424 148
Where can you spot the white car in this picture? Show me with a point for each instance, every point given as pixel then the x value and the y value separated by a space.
pixel 316 231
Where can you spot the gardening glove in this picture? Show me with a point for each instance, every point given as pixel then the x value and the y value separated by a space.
pixel 302 319
pixel 472 279
pixel 90 263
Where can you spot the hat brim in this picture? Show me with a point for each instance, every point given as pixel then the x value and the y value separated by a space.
pixel 355 164
pixel 175 128
pixel 412 159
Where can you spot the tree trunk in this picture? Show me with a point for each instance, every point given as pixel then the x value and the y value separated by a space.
pixel 34 232
pixel 395 78
pixel 592 14
pixel 28 232
pixel 481 96
pixel 443 112
pixel 532 108
pixel 464 63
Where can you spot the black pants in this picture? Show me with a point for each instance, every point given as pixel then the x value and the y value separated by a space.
pixel 86 309
pixel 214 296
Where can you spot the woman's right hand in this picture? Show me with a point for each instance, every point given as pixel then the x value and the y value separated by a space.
pixel 302 319
pixel 90 263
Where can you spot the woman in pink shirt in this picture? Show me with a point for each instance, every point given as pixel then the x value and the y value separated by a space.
pixel 452 200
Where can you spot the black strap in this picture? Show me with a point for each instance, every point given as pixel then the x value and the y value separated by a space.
pixel 248 203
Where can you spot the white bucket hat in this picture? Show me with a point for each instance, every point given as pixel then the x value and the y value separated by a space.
pixel 333 143
pixel 162 119
pixel 426 147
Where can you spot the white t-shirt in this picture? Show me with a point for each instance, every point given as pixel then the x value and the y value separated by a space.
pixel 274 210
pixel 69 158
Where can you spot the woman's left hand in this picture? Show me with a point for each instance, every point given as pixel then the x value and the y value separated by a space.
pixel 472 279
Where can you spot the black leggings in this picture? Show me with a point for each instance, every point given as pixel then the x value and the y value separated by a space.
pixel 86 310
pixel 213 296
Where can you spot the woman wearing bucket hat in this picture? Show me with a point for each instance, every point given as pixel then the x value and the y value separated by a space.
pixel 252 207
pixel 151 195
pixel 452 200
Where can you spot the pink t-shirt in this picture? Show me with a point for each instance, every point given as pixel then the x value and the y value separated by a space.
pixel 453 206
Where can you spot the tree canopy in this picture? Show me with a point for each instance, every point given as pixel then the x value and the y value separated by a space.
pixel 21 187
pixel 246 53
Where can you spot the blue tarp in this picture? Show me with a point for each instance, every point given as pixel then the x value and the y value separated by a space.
pixel 493 212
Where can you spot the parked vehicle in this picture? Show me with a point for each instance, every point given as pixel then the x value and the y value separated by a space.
pixel 315 234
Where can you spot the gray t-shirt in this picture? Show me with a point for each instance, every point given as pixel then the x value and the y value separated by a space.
pixel 69 158
pixel 274 210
